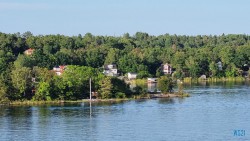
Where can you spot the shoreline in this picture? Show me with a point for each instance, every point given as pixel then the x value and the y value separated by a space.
pixel 216 79
pixel 148 96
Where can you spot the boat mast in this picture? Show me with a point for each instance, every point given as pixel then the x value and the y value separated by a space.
pixel 90 96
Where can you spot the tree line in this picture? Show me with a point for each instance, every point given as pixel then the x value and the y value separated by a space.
pixel 190 56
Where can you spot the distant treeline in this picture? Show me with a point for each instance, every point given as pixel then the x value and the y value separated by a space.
pixel 190 56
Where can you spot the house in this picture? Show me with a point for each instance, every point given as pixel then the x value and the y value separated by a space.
pixel 94 95
pixel 245 70
pixel 132 75
pixel 219 65
pixel 167 68
pixel 29 51
pixel 59 69
pixel 110 70
pixel 152 87
pixel 152 80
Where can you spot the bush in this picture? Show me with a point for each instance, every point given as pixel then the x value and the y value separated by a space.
pixel 166 84
pixel 120 95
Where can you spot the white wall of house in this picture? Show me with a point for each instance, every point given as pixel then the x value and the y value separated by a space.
pixel 219 65
pixel 152 80
pixel 114 71
pixel 132 75
pixel 167 69
pixel 110 70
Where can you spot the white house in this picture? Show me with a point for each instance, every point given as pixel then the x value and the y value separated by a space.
pixel 167 68
pixel 110 70
pixel 132 75
pixel 152 80
pixel 219 65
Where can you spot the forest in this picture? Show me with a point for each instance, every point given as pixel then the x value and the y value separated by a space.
pixel 30 77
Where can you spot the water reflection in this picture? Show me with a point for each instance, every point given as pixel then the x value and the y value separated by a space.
pixel 90 109
pixel 166 101
pixel 2 110
pixel 141 100
pixel 181 99
pixel 212 111
pixel 152 87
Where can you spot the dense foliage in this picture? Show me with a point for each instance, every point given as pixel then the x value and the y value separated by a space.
pixel 190 56
pixel 165 84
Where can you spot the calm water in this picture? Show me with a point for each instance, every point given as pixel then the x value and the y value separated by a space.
pixel 211 113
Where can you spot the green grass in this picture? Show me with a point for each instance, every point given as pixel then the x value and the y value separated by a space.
pixel 185 95
pixel 30 102
pixel 214 79
pixel 140 82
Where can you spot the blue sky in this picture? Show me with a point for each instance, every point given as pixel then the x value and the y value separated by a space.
pixel 116 17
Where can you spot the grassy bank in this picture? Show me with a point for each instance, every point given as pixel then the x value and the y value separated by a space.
pixel 60 102
pixel 214 79
pixel 56 102
pixel 30 102
pixel 143 82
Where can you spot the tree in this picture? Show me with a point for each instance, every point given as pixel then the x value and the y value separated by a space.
pixel 43 91
pixel 214 70
pixel 43 83
pixel 3 91
pixel 42 74
pixel 105 90
pixel 62 58
pixel 112 87
pixel 192 66
pixel 178 60
pixel 27 34
pixel 165 84
pixel 141 53
pixel 120 88
pixel 59 88
pixel 227 54
pixel 94 58
pixel 5 58
pixel 21 80
pixel 112 56
pixel 76 81
pixel 231 70
pixel 24 61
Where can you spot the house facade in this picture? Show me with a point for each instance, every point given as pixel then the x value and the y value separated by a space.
pixel 152 80
pixel 132 75
pixel 29 51
pixel 167 69
pixel 245 70
pixel 219 65
pixel 110 70
pixel 59 69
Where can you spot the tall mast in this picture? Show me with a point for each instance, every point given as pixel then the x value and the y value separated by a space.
pixel 90 96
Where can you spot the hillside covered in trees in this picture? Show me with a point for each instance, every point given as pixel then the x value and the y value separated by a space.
pixel 190 56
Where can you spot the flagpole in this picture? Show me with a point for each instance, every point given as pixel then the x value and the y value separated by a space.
pixel 90 95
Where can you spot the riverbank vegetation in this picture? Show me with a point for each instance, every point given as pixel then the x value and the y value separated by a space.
pixel 29 76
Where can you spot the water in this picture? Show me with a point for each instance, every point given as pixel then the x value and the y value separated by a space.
pixel 213 112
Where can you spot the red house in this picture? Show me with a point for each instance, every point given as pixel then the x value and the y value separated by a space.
pixel 59 69
pixel 29 51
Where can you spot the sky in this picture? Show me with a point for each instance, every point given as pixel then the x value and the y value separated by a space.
pixel 116 17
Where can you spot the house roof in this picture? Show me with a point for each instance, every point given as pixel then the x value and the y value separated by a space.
pixel 107 67
pixel 59 67
pixel 167 64
pixel 29 51
pixel 131 73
